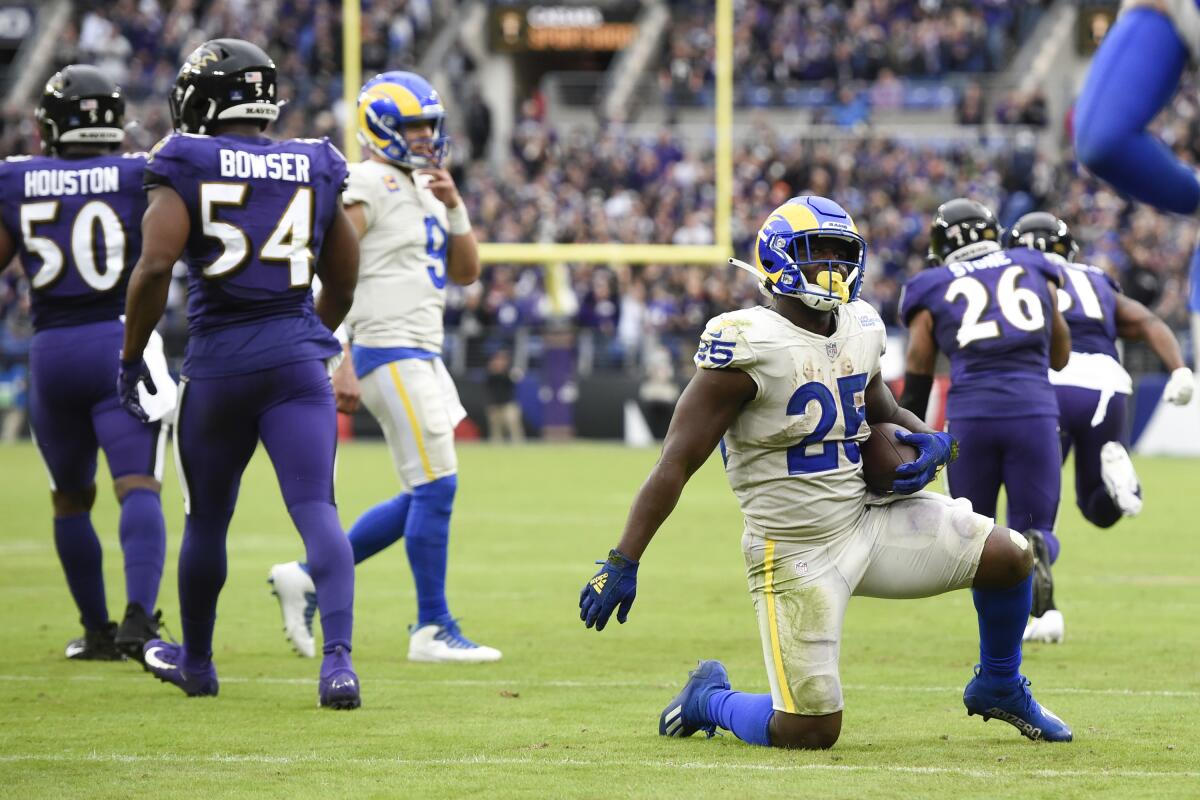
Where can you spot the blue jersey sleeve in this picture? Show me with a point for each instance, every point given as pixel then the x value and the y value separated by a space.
pixel 167 164
pixel 338 171
pixel 916 294
pixel 1046 267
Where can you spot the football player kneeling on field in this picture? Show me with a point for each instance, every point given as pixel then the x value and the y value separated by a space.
pixel 787 390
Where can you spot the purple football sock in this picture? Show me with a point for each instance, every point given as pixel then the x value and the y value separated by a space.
pixel 82 562
pixel 202 571
pixel 330 561
pixel 748 716
pixel 144 542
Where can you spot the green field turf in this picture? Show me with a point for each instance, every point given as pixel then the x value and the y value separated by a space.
pixel 572 713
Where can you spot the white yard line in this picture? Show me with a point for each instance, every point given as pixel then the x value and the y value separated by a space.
pixel 601 684
pixel 605 763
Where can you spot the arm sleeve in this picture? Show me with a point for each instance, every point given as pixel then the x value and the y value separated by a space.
pixel 339 170
pixel 361 189
pixel 913 297
pixel 163 165
pixel 725 345
pixel 1051 269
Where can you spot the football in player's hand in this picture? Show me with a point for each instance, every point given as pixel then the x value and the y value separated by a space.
pixel 882 453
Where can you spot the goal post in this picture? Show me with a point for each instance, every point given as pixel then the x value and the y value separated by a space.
pixel 547 253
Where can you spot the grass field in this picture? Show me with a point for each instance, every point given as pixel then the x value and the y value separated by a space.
pixel 572 713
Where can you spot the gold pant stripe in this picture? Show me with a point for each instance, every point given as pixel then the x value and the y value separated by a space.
pixel 412 420
pixel 785 691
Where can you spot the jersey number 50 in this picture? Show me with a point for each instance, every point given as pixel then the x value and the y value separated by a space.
pixel 83 244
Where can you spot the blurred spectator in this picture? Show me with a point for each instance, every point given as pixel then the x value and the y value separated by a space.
pixel 970 105
pixel 503 412
pixel 13 399
pixel 658 392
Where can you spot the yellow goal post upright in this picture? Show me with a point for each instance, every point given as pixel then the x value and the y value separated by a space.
pixel 549 254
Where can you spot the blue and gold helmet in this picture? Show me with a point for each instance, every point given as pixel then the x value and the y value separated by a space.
pixel 786 243
pixel 392 100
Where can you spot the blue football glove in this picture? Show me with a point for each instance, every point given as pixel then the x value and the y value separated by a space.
pixel 613 587
pixel 129 376
pixel 934 451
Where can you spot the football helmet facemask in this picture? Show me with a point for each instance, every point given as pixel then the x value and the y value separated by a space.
pixel 392 101
pixel 793 238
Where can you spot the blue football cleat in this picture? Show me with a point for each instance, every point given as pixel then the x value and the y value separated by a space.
pixel 1014 703
pixel 338 688
pixel 686 713
pixel 165 661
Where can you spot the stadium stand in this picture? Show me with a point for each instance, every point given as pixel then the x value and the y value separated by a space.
pixel 611 182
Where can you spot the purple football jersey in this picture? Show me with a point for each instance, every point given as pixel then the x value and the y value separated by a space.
pixel 259 210
pixel 1088 301
pixel 992 318
pixel 78 227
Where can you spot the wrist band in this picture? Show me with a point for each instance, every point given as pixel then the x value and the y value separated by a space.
pixel 457 221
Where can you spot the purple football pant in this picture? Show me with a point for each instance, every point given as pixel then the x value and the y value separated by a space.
pixel 291 409
pixel 74 411
pixel 73 407
pixel 1023 455
pixel 1087 427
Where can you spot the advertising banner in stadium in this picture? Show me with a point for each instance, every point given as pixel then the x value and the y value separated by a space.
pixel 561 28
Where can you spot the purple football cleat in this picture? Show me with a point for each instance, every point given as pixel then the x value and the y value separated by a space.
pixel 339 685
pixel 165 661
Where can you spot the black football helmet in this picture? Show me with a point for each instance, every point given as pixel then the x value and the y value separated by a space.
pixel 962 229
pixel 80 105
pixel 224 79
pixel 1043 231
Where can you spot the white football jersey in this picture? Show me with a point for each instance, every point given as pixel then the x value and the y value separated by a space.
pixel 792 456
pixel 402 263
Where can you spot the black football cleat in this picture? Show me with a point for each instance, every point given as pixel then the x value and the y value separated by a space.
pixel 136 629
pixel 1043 581
pixel 95 645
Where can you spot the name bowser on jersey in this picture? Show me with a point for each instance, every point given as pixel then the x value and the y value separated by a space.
pixel 252 218
pixel 787 391
pixel 415 237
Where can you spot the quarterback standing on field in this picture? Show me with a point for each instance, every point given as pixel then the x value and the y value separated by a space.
pixel 787 391
pixel 415 237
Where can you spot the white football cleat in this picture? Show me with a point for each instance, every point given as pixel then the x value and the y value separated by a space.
pixel 1048 628
pixel 1120 479
pixel 298 603
pixel 442 642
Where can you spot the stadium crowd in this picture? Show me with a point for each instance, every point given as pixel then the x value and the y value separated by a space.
pixel 873 43
pixel 613 186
